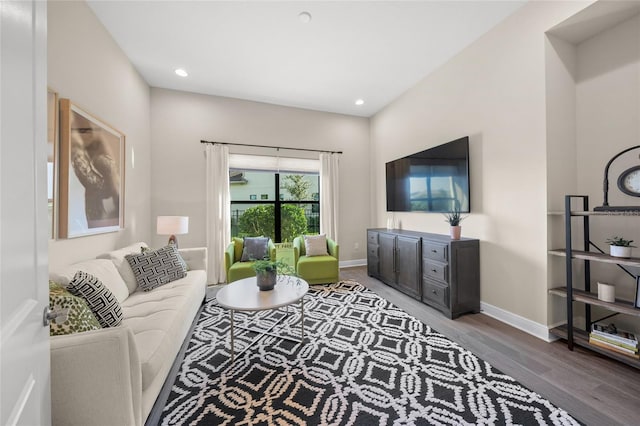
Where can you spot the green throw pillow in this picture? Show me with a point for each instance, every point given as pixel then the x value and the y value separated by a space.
pixel 79 316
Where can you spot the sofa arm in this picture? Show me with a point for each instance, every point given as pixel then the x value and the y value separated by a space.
pixel 229 257
pixel 96 378
pixel 196 258
pixel 334 248
pixel 297 241
pixel 272 250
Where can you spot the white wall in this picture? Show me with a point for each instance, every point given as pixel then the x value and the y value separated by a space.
pixel 593 112
pixel 493 91
pixel 179 120
pixel 608 121
pixel 86 66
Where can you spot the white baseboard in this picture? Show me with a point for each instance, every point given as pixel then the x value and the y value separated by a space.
pixel 350 263
pixel 535 329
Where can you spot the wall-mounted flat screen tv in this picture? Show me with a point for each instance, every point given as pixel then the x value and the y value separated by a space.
pixel 434 180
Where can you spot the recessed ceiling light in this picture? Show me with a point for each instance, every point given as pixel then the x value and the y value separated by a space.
pixel 181 72
pixel 359 102
pixel 304 17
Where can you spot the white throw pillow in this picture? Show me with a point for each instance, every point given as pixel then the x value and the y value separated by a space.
pixel 102 269
pixel 315 245
pixel 123 267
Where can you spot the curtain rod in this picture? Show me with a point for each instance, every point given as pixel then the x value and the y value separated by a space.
pixel 272 147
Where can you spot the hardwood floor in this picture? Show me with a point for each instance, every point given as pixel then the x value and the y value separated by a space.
pixel 594 389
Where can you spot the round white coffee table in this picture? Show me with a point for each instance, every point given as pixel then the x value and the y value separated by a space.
pixel 244 295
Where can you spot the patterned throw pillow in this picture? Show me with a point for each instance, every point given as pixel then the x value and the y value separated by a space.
pixel 100 300
pixel 315 245
pixel 144 249
pixel 255 248
pixel 157 267
pixel 78 316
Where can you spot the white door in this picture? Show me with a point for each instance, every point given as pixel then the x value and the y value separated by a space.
pixel 24 340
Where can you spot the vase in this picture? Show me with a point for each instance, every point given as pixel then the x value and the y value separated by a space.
pixel 620 251
pixel 606 292
pixel 455 232
pixel 266 280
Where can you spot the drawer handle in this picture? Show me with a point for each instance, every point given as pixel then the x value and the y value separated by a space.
pixel 434 251
pixel 434 292
pixel 434 270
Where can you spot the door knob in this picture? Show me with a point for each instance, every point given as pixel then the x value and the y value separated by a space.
pixel 59 316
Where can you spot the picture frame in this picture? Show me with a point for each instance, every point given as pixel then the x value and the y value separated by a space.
pixel 636 303
pixel 91 174
pixel 52 160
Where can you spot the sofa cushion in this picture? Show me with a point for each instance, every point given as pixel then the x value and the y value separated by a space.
pixel 157 267
pixel 102 269
pixel 79 317
pixel 315 245
pixel 121 264
pixel 241 270
pixel 102 302
pixel 255 248
pixel 316 267
pixel 160 319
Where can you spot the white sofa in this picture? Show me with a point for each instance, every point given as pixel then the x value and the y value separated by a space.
pixel 113 376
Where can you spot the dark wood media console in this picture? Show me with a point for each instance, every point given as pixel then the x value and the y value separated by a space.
pixel 442 272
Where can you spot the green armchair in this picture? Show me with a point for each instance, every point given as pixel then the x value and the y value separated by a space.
pixel 317 269
pixel 236 269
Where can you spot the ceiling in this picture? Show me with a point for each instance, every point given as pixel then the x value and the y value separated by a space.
pixel 262 51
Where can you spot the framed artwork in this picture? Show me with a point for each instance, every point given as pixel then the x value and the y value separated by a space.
pixel 52 159
pixel 92 164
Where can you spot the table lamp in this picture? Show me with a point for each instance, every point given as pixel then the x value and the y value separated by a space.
pixel 172 225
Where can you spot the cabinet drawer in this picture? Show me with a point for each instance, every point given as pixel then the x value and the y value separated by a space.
pixel 372 251
pixel 434 250
pixel 435 292
pixel 435 270
pixel 372 237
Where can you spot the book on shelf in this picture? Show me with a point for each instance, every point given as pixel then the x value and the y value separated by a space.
pixel 614 348
pixel 609 340
pixel 611 332
pixel 614 342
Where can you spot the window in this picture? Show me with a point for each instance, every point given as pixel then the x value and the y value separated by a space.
pixel 279 205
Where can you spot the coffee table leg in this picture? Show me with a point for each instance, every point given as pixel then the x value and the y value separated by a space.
pixel 302 319
pixel 232 337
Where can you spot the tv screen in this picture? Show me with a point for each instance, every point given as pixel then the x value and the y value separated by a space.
pixel 434 180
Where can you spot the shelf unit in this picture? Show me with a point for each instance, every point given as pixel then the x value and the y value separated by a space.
pixel 573 335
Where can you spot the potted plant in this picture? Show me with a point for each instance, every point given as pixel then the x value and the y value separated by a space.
pixel 267 272
pixel 619 247
pixel 453 219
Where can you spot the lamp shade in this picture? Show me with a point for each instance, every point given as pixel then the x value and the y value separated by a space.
pixel 172 225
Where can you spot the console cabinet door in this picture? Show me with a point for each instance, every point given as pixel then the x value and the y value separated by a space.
pixel 386 258
pixel 408 259
pixel 372 254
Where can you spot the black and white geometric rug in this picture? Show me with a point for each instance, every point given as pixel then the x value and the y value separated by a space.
pixel 363 362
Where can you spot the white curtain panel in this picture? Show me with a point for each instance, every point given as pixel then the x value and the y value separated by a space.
pixel 218 210
pixel 329 195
